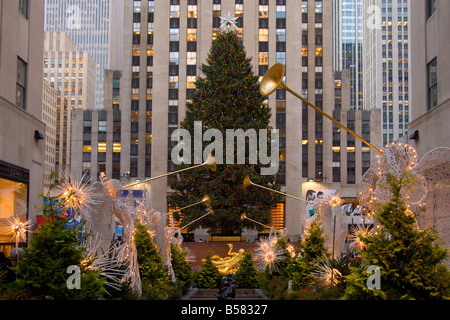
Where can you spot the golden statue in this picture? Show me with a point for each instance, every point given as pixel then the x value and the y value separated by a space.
pixel 228 264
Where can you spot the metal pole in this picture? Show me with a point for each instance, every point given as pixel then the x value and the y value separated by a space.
pixel 162 176
pixel 282 193
pixel 283 86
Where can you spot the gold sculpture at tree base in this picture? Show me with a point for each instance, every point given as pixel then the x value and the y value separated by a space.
pixel 228 265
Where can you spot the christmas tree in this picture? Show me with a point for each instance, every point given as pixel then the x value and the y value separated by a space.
pixel 209 275
pixel 226 98
pixel 247 274
pixel 409 259
pixel 312 248
pixel 56 246
pixel 182 268
pixel 154 277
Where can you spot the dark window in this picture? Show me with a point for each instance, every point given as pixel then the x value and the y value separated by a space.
pixel 23 8
pixel 191 46
pixel 175 22
pixel 263 23
pixel 264 46
pixel 192 23
pixel 281 46
pixel 281 23
pixel 135 82
pixel 191 70
pixel 432 84
pixel 173 70
pixel 431 7
pixel 21 83
pixel 174 46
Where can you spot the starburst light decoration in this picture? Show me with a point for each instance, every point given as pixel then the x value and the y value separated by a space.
pixel 268 254
pixel 334 200
pixel 324 272
pixel 76 194
pixel 18 229
pixel 357 233
pixel 228 22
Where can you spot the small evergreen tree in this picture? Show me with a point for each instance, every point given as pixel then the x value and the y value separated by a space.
pixel 247 274
pixel 43 272
pixel 182 268
pixel 312 247
pixel 275 283
pixel 410 259
pixel 51 250
pixel 154 277
pixel 208 276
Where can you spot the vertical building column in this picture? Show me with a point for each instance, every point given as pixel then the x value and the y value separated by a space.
pixel 125 88
pixel 251 34
pixel 204 31
pixel 294 211
pixel 328 85
pixel 161 105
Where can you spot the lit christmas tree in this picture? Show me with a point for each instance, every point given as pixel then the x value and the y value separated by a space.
pixel 226 98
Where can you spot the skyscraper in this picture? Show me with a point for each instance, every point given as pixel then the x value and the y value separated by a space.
pixel 88 24
pixel 386 64
pixel 72 74
pixel 352 40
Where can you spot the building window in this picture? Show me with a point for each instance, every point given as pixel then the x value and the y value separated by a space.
pixel 432 84
pixel 21 83
pixel 13 200
pixel 23 8
pixel 431 7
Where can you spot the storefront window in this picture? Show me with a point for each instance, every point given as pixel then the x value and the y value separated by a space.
pixel 13 203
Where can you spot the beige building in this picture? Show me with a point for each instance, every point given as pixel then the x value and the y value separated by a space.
pixel 387 63
pixel 22 131
pixel 430 104
pixel 430 76
pixel 72 74
pixel 49 118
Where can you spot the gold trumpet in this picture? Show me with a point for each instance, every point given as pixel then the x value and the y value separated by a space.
pixel 273 79
pixel 244 216
pixel 247 182
pixel 210 162
pixel 206 200
pixel 211 212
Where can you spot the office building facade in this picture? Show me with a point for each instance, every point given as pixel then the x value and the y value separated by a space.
pixel 22 131
pixel 49 117
pixel 386 64
pixel 72 74
pixel 88 23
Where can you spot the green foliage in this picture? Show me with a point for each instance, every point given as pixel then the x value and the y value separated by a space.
pixel 274 286
pixel 410 259
pixel 182 268
pixel 51 251
pixel 208 276
pixel 275 283
pixel 154 277
pixel 316 292
pixel 312 247
pixel 247 274
pixel 227 98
